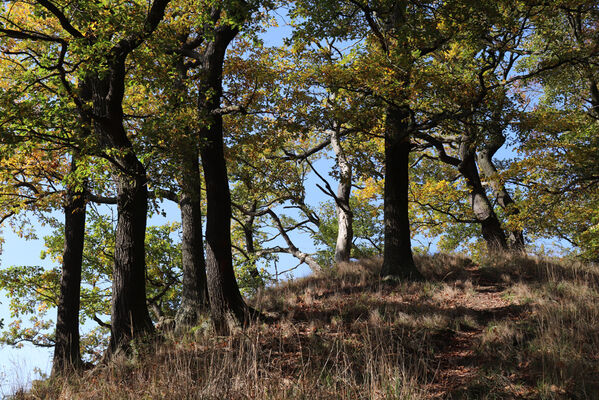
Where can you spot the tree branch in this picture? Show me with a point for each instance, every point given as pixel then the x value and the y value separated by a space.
pixel 64 22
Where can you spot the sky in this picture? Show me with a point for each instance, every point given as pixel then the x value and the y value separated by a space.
pixel 17 365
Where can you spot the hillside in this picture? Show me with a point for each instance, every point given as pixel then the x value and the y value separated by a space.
pixel 509 327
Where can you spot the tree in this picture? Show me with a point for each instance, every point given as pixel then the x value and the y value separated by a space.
pixel 405 45
pixel 44 122
pixel 34 291
pixel 226 303
pixel 99 58
pixel 66 348
pixel 558 170
pixel 170 129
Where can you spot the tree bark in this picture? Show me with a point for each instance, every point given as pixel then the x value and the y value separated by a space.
pixel 397 254
pixel 481 206
pixel 227 306
pixel 107 89
pixel 130 316
pixel 248 234
pixel 129 311
pixel 515 238
pixel 345 234
pixel 67 355
pixel 194 296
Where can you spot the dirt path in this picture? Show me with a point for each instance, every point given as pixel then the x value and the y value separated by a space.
pixel 459 363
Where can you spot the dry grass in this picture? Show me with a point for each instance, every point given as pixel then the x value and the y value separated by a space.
pixel 555 347
pixel 513 327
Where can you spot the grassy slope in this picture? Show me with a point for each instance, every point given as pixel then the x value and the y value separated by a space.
pixel 511 327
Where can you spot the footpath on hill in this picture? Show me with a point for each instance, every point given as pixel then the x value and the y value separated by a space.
pixel 514 327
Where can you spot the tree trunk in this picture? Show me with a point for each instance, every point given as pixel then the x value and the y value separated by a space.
pixel 130 316
pixel 227 306
pixel 485 161
pixel 345 234
pixel 397 254
pixel 248 233
pixel 129 311
pixel 481 206
pixel 66 350
pixel 194 296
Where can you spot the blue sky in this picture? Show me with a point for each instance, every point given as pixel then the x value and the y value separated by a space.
pixel 16 365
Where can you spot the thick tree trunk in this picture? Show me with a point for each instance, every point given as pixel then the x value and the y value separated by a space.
pixel 130 316
pixel 66 350
pixel 194 296
pixel 345 234
pixel 397 255
pixel 227 306
pixel 485 161
pixel 129 311
pixel 481 206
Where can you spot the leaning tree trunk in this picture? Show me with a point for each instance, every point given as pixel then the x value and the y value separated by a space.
pixel 67 355
pixel 397 255
pixel 345 234
pixel 194 296
pixel 291 247
pixel 481 206
pixel 227 306
pixel 485 161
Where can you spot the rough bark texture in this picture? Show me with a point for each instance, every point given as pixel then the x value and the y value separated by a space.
pixel 481 206
pixel 130 316
pixel 66 350
pixel 227 306
pixel 129 312
pixel 397 256
pixel 194 295
pixel 515 238
pixel 106 87
pixel 345 234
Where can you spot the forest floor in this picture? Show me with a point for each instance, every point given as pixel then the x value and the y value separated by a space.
pixel 508 327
